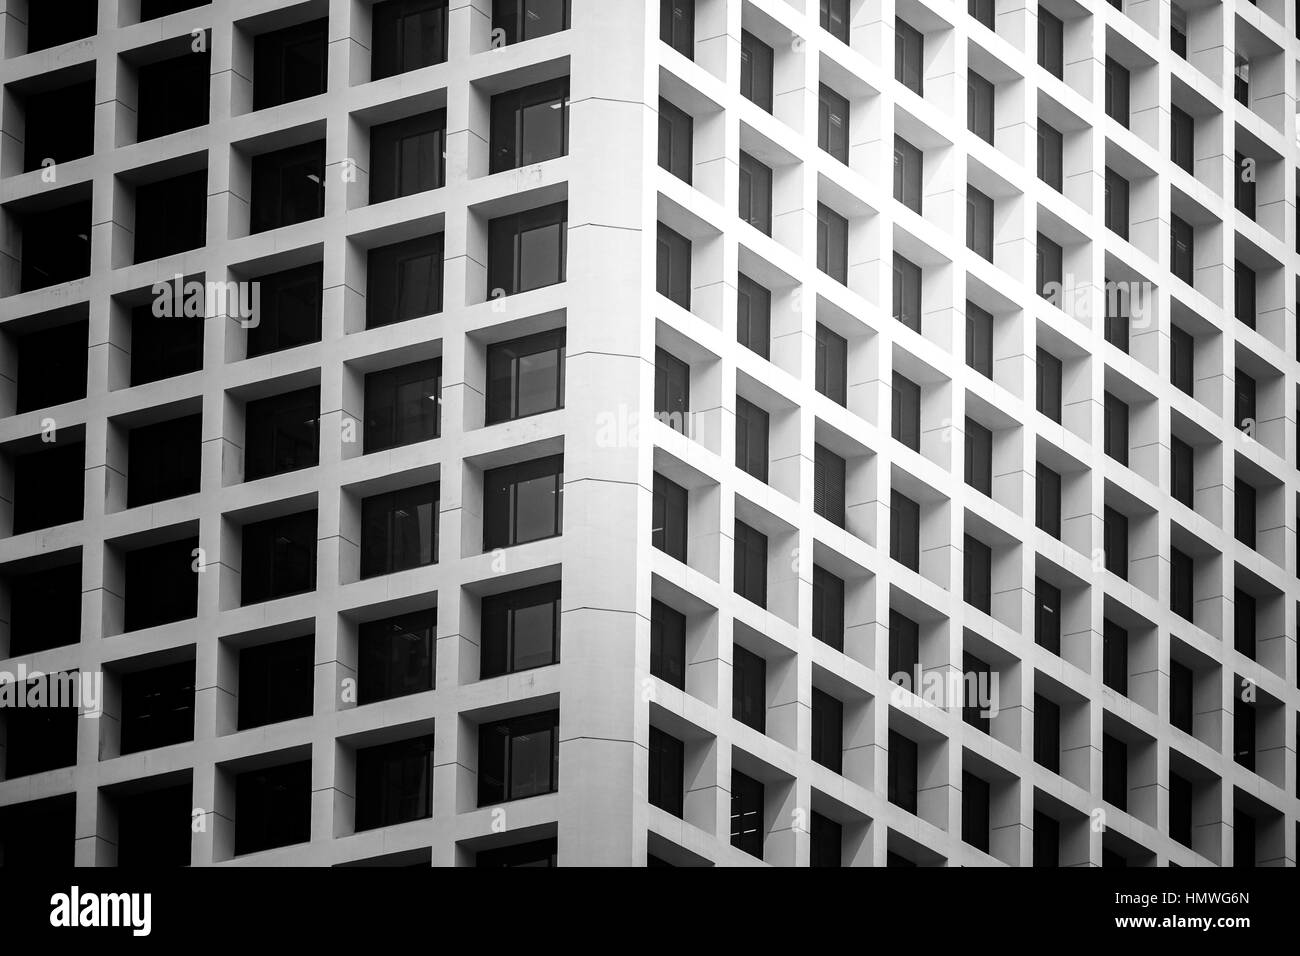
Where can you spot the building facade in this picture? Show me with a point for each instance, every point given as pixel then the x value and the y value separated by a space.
pixel 625 432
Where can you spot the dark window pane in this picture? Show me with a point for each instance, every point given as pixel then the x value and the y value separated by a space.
pixel 828 608
pixel 289 64
pixel 530 125
pixel 281 433
pixel 756 59
pixel 668 517
pixel 525 376
pixel 407 35
pixel 750 572
pixel 395 656
pixel 672 390
pixel 403 405
pixel 753 314
pixel 527 250
pixel 832 365
pixel 523 502
pixel 668 644
pixel 673 266
pixel 399 530
pixel 394 783
pixel 408 156
pixel 520 630
pixel 518 758
pixel 519 20
pixel 676 140
pixel 404 281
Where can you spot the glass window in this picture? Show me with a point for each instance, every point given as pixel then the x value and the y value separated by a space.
pixel 756 70
pixel 908 165
pixel 289 310
pixel 1047 615
pixel 523 502
pixel 394 783
pixel 982 11
pixel 525 376
pixel 979 106
pixel 979 223
pixel 904 531
pixel 907 293
pixel 1117 83
pixel 399 530
pixel 902 757
pixel 746 814
pixel 676 139
pixel 281 433
pixel 1180 470
pixel 977 567
pixel 404 281
pixel 275 682
pixel 672 390
pixel 835 18
pixel 904 647
pixel 673 266
pixel 1182 570
pixel 1048 371
pixel 753 315
pixel 668 517
pixel 828 608
pixel 755 193
pixel 1115 541
pixel 278 558
pixel 526 250
pixel 520 630
pixel 825 841
pixel 832 243
pixel 1116 428
pixel 906 426
pixel 668 644
pixel 1114 657
pixel 403 405
pixel 1243 285
pixel 1047 733
pixel 530 125
pixel 979 339
pixel 909 51
pixel 289 64
pixel 1051 151
pixel 1182 349
pixel 1051 43
pixel 396 655
pixel 1047 500
pixel 827 731
pixel 519 20
pixel 288 187
pixel 1181 256
pixel 833 123
pixel 1050 267
pixel 751 439
pixel 749 688
pixel 677 25
pixel 750 577
pixel 1116 203
pixel 832 367
pixel 665 789
pixel 979 457
pixel 1183 129
pixel 407 35
pixel 518 757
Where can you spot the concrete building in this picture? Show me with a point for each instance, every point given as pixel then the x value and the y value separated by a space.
pixel 529 432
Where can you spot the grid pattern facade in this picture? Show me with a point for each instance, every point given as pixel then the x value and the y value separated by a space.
pixel 718 766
